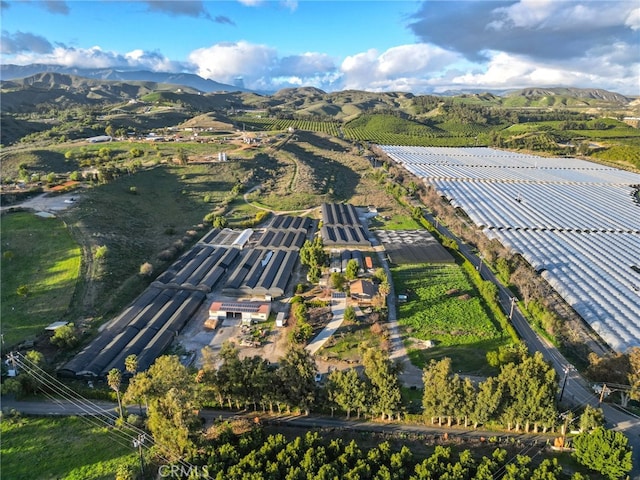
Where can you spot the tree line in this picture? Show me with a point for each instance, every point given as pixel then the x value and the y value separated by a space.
pixel 521 397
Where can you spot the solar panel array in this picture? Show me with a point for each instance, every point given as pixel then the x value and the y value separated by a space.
pixel 576 222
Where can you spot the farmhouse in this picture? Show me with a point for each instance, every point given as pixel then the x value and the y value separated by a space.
pixel 363 291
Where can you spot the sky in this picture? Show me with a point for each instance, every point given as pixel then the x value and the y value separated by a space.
pixel 375 45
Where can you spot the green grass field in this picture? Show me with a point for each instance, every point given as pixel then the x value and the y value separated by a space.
pixel 66 448
pixel 40 254
pixel 444 307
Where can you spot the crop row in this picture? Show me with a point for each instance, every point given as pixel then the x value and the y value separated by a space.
pixel 464 136
pixel 443 305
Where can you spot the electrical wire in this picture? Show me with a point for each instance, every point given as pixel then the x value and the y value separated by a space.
pixel 95 413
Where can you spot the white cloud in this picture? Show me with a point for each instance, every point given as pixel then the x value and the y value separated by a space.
pixel 96 57
pixel 397 67
pixel 505 70
pixel 564 15
pixel 225 61
pixel 633 19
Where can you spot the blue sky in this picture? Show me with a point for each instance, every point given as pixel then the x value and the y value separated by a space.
pixel 416 46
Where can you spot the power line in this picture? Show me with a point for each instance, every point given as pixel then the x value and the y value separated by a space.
pixel 93 413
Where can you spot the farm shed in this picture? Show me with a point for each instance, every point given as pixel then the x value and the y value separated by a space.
pixel 344 236
pixel 247 312
pixel 262 273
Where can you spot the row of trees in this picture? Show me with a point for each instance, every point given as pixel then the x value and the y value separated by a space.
pixel 521 395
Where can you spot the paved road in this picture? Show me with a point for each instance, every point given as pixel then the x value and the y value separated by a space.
pixel 338 305
pixel 577 391
pixel 108 409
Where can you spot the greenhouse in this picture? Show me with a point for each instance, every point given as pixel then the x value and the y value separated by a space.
pixel 575 222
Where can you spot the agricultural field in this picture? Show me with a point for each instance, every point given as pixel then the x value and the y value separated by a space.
pixel 155 211
pixel 444 307
pixel 40 270
pixel 68 448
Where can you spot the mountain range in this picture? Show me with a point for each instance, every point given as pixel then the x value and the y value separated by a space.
pixel 11 72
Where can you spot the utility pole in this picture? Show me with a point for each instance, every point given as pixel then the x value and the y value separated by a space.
pixel 513 302
pixel 602 393
pixel 564 381
pixel 137 443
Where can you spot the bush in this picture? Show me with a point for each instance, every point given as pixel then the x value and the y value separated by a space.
pixel 65 337
pixel 350 314
pixel 146 269
pixel 101 252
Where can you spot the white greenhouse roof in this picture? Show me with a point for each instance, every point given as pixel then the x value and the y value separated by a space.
pixel 575 221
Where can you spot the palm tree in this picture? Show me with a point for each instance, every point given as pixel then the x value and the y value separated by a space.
pixel 114 379
pixel 383 290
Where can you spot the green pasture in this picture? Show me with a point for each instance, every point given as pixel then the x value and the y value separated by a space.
pixel 69 448
pixel 444 307
pixel 39 255
pixel 395 222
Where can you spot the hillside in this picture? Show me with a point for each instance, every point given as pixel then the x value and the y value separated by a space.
pixel 52 106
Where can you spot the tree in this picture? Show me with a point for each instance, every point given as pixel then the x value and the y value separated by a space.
pixel 488 400
pixel 182 156
pixel 384 382
pixel 442 396
pixel 337 280
pixel 297 371
pixel 349 314
pixel 131 364
pixel 591 418
pixel 312 253
pixel 351 270
pixel 31 376
pixel 101 252
pixel 605 451
pixel 383 290
pixel 22 290
pixel 529 389
pixel 65 337
pixel 219 221
pixel 114 380
pixel 346 389
pixel 171 399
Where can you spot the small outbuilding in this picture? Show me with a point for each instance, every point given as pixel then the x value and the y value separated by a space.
pixel 247 312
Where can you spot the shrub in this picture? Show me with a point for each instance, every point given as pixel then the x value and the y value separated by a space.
pixel 146 269
pixel 65 337
pixel 101 252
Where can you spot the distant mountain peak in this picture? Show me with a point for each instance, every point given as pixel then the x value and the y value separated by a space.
pixel 12 72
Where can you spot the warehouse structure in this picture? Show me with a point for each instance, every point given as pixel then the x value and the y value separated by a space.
pixel 266 269
pixel 150 324
pixel 341 226
pixel 227 237
pixel 413 246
